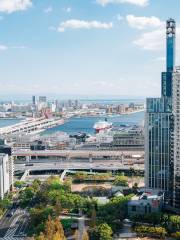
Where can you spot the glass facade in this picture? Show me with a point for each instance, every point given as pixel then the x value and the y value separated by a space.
pixel 159 125
pixel 166 84
pixel 176 138
pixel 158 146
pixel 166 80
pixel 170 51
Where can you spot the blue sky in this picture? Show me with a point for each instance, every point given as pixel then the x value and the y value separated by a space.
pixel 84 47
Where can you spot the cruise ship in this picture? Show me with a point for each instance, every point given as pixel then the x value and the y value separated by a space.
pixel 102 125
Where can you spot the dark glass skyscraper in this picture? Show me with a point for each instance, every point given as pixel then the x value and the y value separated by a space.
pixel 166 82
pixel 170 34
pixel 159 125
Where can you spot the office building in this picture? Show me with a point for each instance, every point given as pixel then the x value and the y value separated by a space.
pixel 33 100
pixel 5 149
pixel 176 142
pixel 42 99
pixel 166 82
pixel 42 103
pixel 4 175
pixel 159 126
pixel 158 143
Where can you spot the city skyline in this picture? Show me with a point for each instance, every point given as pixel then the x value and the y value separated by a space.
pixel 92 48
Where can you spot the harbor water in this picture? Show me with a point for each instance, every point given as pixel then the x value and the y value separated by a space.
pixel 85 124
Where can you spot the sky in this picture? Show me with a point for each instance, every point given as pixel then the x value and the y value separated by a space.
pixel 84 47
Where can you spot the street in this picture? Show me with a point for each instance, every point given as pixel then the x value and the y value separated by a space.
pixel 15 226
pixel 74 164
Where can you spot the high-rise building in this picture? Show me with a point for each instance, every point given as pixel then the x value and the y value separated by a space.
pixel 42 99
pixel 176 138
pixel 34 100
pixel 158 143
pixel 166 82
pixel 4 175
pixel 158 146
pixel 6 150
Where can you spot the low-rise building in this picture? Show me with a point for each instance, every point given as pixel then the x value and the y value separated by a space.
pixel 145 204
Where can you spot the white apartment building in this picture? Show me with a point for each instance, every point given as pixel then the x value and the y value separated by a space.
pixel 5 173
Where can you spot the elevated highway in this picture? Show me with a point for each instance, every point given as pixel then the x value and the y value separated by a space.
pixel 97 165
pixel 60 160
pixel 79 154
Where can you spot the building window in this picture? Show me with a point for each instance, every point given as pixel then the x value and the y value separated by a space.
pixel 133 208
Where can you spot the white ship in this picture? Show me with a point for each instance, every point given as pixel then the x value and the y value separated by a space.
pixel 102 125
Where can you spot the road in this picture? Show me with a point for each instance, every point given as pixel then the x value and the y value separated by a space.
pixel 74 165
pixel 14 227
pixel 76 153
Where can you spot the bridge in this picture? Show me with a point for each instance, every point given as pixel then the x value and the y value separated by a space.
pixel 60 160
pixel 78 154
pixel 95 166
pixel 31 125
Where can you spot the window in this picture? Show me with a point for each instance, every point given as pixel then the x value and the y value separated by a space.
pixel 133 208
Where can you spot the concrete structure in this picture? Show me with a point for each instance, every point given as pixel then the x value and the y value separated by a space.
pixel 81 154
pixel 159 166
pixel 4 175
pixel 176 142
pixel 145 204
pixel 98 165
pixel 130 138
pixel 33 125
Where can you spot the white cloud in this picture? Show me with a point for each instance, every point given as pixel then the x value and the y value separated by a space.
pixel 67 9
pixel 143 22
pixel 155 40
pixel 81 24
pixel 141 3
pixel 160 59
pixel 48 9
pixel 18 47
pixel 10 6
pixel 3 47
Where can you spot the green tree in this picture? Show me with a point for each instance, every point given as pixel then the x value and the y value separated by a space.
pixel 26 196
pixel 57 208
pixel 36 185
pixel 19 184
pixel 121 181
pixel 105 232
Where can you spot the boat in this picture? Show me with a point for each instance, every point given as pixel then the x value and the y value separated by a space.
pixel 102 125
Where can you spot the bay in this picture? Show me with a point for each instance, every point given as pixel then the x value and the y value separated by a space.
pixel 8 122
pixel 85 124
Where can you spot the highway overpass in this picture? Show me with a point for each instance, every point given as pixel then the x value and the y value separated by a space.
pixel 78 154
pixel 112 165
